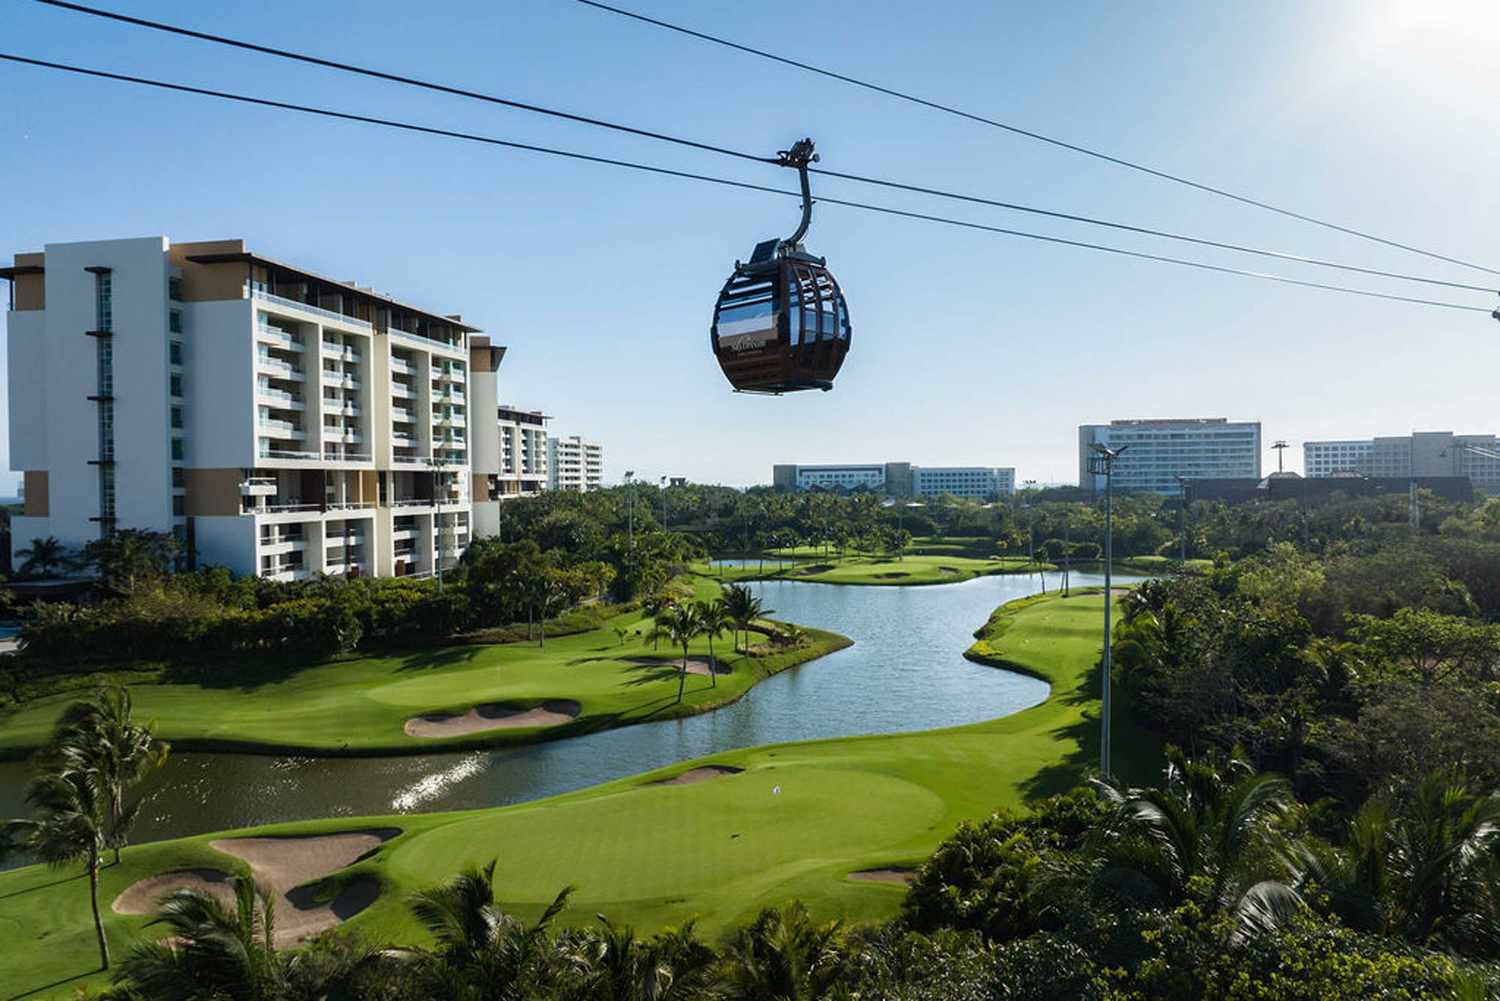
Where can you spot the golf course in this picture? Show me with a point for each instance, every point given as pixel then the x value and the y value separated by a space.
pixel 613 676
pixel 711 839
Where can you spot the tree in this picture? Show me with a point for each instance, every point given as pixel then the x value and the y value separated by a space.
pixel 101 738
pixel 479 951
pixel 619 966
pixel 130 555
pixel 681 624
pixel 70 824
pixel 1205 837
pixel 783 956
pixel 743 608
pixel 1424 870
pixel 43 556
pixel 1431 646
pixel 714 618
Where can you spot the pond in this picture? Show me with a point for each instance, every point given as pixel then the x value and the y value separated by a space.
pixel 905 671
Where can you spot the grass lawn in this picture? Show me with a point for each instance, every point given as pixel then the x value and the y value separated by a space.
pixel 718 850
pixel 881 570
pixel 360 706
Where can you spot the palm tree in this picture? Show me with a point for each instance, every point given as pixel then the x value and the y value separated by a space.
pixel 1205 835
pixel 714 618
pixel 616 965
pixel 70 825
pixel 211 951
pixel 653 605
pixel 101 738
pixel 482 952
pixel 680 623
pixel 743 608
pixel 43 556
pixel 783 956
pixel 1424 872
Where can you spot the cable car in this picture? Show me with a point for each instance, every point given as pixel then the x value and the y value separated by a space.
pixel 781 324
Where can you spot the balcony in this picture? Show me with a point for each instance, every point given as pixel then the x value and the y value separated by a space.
pixel 401 391
pixel 284 369
pixel 401 367
pixel 349 506
pixel 267 452
pixel 258 487
pixel 278 337
pixel 329 314
pixel 280 429
pixel 334 377
pixel 279 398
pixel 334 452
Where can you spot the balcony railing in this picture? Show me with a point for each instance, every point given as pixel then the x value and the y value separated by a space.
pixel 277 300
pixel 258 486
pixel 278 337
pixel 283 453
pixel 422 340
pixel 334 453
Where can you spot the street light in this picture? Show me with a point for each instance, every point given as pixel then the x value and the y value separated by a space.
pixel 1182 498
pixel 1103 462
pixel 630 503
pixel 663 482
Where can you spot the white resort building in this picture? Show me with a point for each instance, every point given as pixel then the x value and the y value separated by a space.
pixel 574 464
pixel 276 421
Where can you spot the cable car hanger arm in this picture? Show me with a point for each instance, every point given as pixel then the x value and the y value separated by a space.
pixel 799 156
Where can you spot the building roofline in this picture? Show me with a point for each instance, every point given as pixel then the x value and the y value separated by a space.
pixel 248 257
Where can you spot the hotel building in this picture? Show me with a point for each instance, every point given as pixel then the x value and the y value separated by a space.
pixel 900 479
pixel 276 421
pixel 1422 453
pixel 1160 451
pixel 574 464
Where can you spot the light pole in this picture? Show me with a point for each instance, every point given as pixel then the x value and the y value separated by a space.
pixel 1280 447
pixel 1030 532
pixel 630 503
pixel 663 482
pixel 1104 462
pixel 1182 499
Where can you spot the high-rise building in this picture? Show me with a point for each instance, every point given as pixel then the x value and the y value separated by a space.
pixel 899 479
pixel 1422 453
pixel 1157 452
pixel 574 464
pixel 276 421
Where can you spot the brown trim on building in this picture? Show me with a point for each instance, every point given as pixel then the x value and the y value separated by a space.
pixel 35 503
pixel 212 492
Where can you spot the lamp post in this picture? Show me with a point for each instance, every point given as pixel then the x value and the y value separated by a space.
pixel 1182 498
pixel 1103 462
pixel 630 503
pixel 1030 532
pixel 663 482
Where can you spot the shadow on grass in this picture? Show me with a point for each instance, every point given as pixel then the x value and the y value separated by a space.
pixel 430 659
pixel 39 886
pixel 1137 752
pixel 36 992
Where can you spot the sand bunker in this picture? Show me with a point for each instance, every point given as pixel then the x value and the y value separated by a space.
pixel 696 665
pixel 891 874
pixel 492 716
pixel 143 896
pixel 700 774
pixel 282 865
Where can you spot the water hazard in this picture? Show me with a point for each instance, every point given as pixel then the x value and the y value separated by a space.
pixel 905 671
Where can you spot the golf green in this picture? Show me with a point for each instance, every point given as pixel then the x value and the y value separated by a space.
pixel 795 821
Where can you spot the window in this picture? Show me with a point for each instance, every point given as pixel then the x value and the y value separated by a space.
pixel 174 321
pixel 177 385
pixel 174 289
pixel 177 417
pixel 179 477
pixel 174 352
pixel 177 451
pixel 179 506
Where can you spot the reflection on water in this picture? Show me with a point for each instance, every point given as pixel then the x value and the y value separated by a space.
pixel 905 672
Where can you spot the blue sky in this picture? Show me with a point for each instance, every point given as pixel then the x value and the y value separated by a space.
pixel 968 348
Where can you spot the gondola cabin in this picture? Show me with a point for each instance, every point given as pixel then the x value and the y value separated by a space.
pixel 781 324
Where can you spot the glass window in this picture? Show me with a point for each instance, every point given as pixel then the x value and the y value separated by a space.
pixel 174 353
pixel 177 450
pixel 177 385
pixel 179 505
pixel 177 417
pixel 174 321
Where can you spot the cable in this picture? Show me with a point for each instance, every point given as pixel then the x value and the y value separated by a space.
pixel 1038 136
pixel 726 182
pixel 395 78
pixel 739 154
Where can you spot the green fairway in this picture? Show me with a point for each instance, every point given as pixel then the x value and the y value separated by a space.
pixel 794 823
pixel 361 706
pixel 882 570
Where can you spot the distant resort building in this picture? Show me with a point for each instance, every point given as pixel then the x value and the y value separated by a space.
pixel 1420 454
pixel 574 464
pixel 899 479
pixel 1159 454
